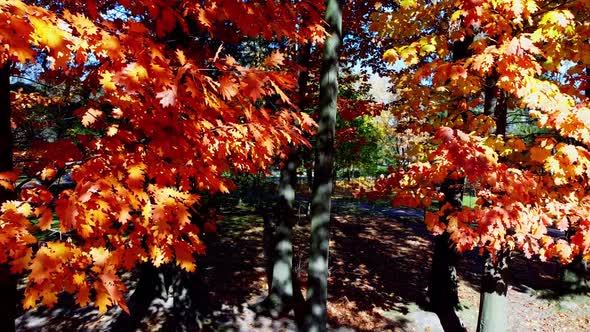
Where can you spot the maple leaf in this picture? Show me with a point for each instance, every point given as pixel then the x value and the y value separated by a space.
pixel 275 59
pixel 112 284
pixel 100 255
pixel 82 24
pixel 48 173
pixel 46 33
pixel 181 57
pixel 107 81
pixel 49 297
pixel 136 72
pixel 31 298
pixel 252 86
pixel 45 219
pixel 136 176
pixel 125 216
pixel 83 296
pixel 184 257
pixel 103 300
pixel 90 116
pixel 21 263
pixel 280 92
pixel 167 97
pixel 228 87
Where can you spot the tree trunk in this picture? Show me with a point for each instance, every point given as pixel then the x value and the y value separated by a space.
pixel 317 291
pixel 573 277
pixel 443 283
pixel 281 286
pixel 169 288
pixel 8 281
pixel 493 294
pixel 151 284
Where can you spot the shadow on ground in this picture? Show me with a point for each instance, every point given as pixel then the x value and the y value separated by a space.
pixel 380 261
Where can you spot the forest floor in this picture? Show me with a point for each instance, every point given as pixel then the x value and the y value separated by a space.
pixel 379 266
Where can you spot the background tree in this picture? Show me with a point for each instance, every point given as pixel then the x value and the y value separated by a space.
pixel 317 291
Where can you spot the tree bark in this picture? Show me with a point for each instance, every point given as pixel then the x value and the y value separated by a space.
pixel 281 286
pixel 493 294
pixel 8 281
pixel 317 291
pixel 443 283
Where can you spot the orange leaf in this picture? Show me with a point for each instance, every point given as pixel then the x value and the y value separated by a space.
pixel 275 59
pixel 7 180
pixel 112 284
pixel 48 173
pixel 45 219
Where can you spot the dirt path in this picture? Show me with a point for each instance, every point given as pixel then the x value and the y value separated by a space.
pixel 380 260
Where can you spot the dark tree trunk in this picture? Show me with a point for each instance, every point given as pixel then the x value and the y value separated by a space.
pixel 495 103
pixel 573 278
pixel 8 281
pixel 317 290
pixel 165 286
pixel 443 283
pixel 151 284
pixel 284 290
pixel 281 286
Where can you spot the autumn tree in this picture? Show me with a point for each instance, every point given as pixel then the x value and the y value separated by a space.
pixel 158 107
pixel 522 188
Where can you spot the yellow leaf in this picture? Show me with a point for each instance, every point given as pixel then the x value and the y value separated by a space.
pixel 100 255
pixel 456 15
pixel 31 298
pixel 103 300
pixel 46 34
pixel 107 81
pixel 112 130
pixel 79 278
pixel 181 57
pixel 136 72
pixel 407 4
pixel 390 56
